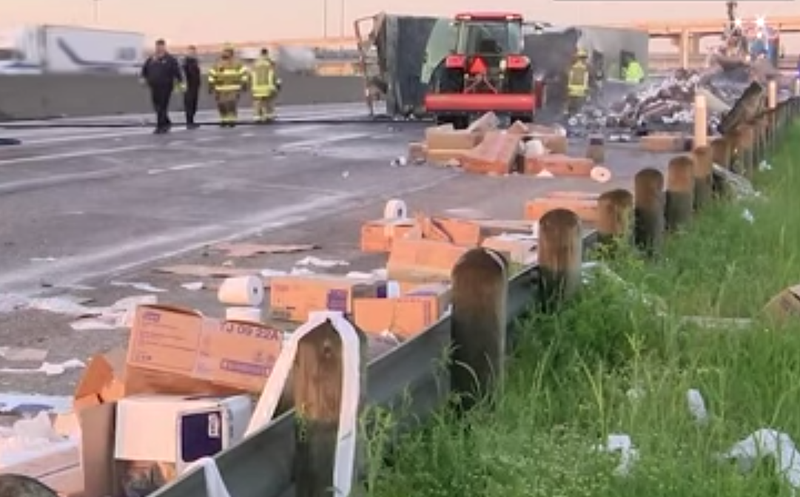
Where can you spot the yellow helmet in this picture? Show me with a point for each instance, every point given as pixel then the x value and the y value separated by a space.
pixel 581 54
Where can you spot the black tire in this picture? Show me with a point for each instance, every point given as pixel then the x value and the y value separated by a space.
pixel 522 82
pixel 444 80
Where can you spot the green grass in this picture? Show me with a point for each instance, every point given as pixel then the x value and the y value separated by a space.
pixel 569 379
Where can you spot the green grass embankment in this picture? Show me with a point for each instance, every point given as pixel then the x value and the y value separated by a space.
pixel 609 364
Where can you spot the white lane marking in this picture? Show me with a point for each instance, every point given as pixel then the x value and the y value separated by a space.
pixel 316 142
pixel 185 167
pixel 70 155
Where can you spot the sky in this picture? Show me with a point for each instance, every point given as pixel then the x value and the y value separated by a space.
pixel 211 21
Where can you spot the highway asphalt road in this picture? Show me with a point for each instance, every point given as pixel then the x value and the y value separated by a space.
pixel 102 206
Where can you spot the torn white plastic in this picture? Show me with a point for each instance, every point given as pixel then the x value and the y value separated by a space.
pixel 323 263
pixel 748 216
pixel 117 316
pixel 764 166
pixel 697 406
pixel 767 442
pixel 351 392
pixel 193 286
pixel 623 444
pixel 592 269
pixel 741 186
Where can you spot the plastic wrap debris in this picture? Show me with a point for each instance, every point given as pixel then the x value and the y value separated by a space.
pixel 697 406
pixel 142 287
pixel 740 186
pixel 118 315
pixel 767 442
pixel 34 403
pixel 193 286
pixel 15 354
pixel 628 454
pixel 748 216
pixel 399 162
pixel 28 435
pixel 323 263
pixel 764 166
pixel 49 369
pixel 635 394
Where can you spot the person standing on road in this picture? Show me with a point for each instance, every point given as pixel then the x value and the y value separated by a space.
pixel 264 86
pixel 161 72
pixel 227 80
pixel 191 72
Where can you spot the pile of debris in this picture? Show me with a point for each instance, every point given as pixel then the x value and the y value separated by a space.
pixel 485 148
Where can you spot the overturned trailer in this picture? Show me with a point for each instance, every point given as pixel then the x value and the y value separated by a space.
pixel 398 55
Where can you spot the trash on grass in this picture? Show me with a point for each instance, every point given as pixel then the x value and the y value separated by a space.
pixel 593 269
pixel 697 406
pixel 764 166
pixel 623 444
pixel 739 185
pixel 748 216
pixel 767 442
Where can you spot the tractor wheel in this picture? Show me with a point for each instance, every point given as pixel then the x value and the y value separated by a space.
pixel 519 83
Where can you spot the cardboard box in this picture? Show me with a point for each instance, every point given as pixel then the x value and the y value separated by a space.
pixel 404 316
pixel 447 138
pixel 293 297
pixel 56 464
pixel 377 235
pixel 463 232
pixel 517 249
pixel 424 261
pixel 103 380
pixel 586 210
pixel 180 351
pixel 171 431
pixel 785 305
pixel 445 157
pixel 497 154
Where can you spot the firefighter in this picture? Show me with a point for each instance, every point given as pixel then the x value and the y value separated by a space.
pixel 577 83
pixel 226 80
pixel 633 72
pixel 264 87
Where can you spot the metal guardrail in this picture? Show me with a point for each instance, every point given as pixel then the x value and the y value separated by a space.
pixel 411 381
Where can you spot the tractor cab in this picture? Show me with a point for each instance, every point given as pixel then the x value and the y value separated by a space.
pixel 485 71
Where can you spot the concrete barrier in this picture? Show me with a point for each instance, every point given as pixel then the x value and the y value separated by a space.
pixel 41 97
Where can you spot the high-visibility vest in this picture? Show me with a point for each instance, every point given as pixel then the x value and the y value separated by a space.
pixel 633 73
pixel 226 76
pixel 578 82
pixel 263 78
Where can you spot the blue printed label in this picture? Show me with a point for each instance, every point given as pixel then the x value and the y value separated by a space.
pixel 337 300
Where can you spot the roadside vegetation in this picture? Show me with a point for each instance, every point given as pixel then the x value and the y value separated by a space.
pixel 612 363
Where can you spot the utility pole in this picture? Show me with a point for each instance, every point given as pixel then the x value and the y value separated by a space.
pixel 324 18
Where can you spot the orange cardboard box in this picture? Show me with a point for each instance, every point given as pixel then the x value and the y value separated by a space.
pixel 559 165
pixel 425 261
pixel 587 210
pixel 447 138
pixel 293 298
pixel 445 156
pixel 179 351
pixel 377 235
pixel 463 232
pixel 497 154
pixel 553 142
pixel 404 316
pixel 417 152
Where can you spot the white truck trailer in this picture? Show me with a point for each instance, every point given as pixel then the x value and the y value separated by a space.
pixel 46 49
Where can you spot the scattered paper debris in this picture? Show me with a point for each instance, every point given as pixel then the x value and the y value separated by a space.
pixel 254 249
pixel 23 402
pixel 142 287
pixel 718 323
pixel 767 442
pixel 15 354
pixel 47 368
pixel 323 263
pixel 43 259
pixel 628 454
pixel 193 286
pixel 117 316
pixel 359 275
pixel 200 271
pixel 545 174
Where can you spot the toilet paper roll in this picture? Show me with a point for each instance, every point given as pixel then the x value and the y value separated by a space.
pixel 395 209
pixel 600 174
pixel 246 314
pixel 242 291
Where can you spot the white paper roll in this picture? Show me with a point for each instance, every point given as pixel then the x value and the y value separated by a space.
pixel 242 291
pixel 600 174
pixel 395 209
pixel 246 314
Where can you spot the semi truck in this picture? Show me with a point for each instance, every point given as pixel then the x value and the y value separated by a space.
pixel 47 49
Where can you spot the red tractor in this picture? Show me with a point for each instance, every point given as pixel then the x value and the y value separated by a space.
pixel 486 71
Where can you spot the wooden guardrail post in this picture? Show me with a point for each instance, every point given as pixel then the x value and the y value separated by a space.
pixel 648 196
pixel 680 192
pixel 772 107
pixel 745 146
pixel 318 377
pixel 702 176
pixel 560 257
pixel 615 218
pixel 700 121
pixel 480 290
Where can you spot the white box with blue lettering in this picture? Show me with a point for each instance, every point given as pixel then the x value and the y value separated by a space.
pixel 158 436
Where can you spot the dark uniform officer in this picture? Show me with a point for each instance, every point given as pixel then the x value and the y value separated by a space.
pixel 161 72
pixel 191 71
